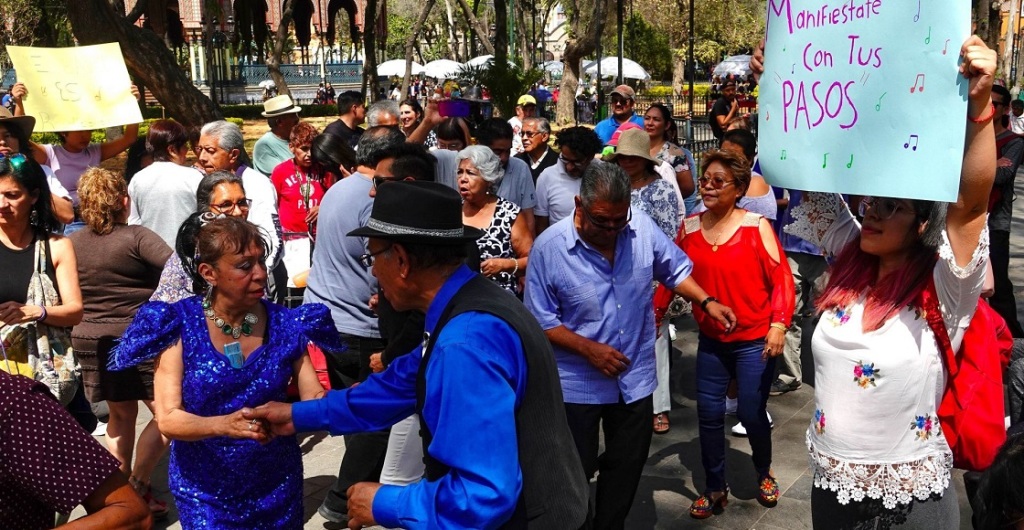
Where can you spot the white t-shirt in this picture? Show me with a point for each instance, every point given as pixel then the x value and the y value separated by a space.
pixel 556 193
pixel 517 141
pixel 162 196
pixel 263 212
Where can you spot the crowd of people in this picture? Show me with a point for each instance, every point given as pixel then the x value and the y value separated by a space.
pixel 493 313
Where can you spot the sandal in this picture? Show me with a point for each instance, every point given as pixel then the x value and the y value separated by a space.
pixel 157 507
pixel 707 504
pixel 661 424
pixel 768 491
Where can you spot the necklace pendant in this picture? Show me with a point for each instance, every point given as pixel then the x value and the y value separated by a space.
pixel 714 248
pixel 226 329
pixel 236 333
pixel 246 329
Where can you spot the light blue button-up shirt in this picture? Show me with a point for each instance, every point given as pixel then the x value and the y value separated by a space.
pixel 569 283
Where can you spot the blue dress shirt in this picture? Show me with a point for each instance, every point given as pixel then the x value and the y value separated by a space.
pixel 569 283
pixel 476 378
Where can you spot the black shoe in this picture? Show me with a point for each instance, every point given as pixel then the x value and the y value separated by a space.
pixel 779 388
pixel 334 519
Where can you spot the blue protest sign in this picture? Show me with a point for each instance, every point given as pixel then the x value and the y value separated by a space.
pixel 864 97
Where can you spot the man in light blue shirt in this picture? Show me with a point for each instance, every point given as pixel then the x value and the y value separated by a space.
pixel 590 286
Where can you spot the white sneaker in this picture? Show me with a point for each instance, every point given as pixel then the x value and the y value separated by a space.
pixel 101 429
pixel 730 405
pixel 740 430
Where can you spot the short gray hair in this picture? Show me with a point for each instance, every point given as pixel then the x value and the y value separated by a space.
pixel 543 125
pixel 603 181
pixel 380 108
pixel 485 161
pixel 228 135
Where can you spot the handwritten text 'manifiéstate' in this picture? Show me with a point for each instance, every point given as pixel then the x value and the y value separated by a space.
pixel 824 16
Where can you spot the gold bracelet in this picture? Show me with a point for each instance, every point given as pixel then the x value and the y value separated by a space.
pixel 779 326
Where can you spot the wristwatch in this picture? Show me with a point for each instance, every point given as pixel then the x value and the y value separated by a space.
pixel 708 300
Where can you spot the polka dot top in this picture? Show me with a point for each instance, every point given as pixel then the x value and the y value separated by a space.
pixel 48 463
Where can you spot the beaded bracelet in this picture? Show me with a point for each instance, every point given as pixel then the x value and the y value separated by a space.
pixel 516 269
pixel 985 117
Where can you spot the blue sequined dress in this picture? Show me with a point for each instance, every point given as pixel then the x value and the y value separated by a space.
pixel 221 482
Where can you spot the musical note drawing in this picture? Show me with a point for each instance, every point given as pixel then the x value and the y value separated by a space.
pixel 783 157
pixel 928 39
pixel 913 138
pixel 778 78
pixel 918 15
pixel 878 106
pixel 793 70
pixel 825 163
pixel 918 79
pixel 945 47
pixel 767 116
pixel 849 165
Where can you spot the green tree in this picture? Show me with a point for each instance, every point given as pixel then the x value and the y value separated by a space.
pixel 643 44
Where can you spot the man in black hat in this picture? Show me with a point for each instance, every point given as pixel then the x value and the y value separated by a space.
pixel 493 451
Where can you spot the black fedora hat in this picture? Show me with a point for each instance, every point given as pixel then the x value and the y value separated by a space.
pixel 418 212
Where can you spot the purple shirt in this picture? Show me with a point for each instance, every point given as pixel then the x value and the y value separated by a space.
pixel 69 167
pixel 570 283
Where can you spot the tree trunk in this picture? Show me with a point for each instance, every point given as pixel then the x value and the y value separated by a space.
pixel 453 45
pixel 524 35
pixel 501 43
pixel 274 58
pixel 480 29
pixel 584 32
pixel 147 58
pixel 411 41
pixel 370 50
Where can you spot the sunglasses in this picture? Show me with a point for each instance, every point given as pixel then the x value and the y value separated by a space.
pixel 15 161
pixel 716 182
pixel 883 207
pixel 609 227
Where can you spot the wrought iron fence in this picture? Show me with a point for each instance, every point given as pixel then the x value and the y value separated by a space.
pixel 300 74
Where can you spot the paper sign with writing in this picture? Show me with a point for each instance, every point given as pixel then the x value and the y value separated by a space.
pixel 864 97
pixel 76 89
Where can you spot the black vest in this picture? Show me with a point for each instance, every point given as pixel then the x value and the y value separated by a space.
pixel 555 490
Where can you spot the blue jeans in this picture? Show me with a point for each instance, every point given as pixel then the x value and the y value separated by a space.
pixel 717 364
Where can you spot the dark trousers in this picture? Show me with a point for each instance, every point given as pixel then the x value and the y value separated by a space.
pixel 1003 300
pixel 364 452
pixel 717 364
pixel 627 442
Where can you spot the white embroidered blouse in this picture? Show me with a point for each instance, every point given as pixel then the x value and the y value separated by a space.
pixel 875 433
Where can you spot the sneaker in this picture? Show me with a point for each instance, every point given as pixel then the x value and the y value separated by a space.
pixel 730 405
pixel 740 430
pixel 779 388
pixel 101 429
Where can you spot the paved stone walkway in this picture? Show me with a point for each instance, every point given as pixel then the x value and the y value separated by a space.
pixel 673 476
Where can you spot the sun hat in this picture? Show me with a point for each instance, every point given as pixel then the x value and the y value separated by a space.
pixel 418 212
pixel 279 106
pixel 25 123
pixel 634 142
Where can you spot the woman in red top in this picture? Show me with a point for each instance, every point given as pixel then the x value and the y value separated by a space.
pixel 300 187
pixel 737 258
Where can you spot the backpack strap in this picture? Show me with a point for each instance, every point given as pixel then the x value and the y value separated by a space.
pixel 929 298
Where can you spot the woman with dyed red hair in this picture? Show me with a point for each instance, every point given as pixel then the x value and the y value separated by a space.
pixel 876 446
pixel 300 187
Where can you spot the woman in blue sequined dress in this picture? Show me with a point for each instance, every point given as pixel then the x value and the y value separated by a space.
pixel 217 354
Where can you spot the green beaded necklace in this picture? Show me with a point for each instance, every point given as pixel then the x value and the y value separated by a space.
pixel 245 328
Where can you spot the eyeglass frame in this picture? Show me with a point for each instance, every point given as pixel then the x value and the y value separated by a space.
pixel 869 203
pixel 701 181
pixel 242 204
pixel 606 227
pixel 367 259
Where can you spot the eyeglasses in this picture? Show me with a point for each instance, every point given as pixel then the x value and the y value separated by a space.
pixel 367 259
pixel 227 206
pixel 883 207
pixel 574 163
pixel 616 227
pixel 716 182
pixel 15 160
pixel 378 180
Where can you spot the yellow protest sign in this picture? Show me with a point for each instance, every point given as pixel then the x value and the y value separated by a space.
pixel 76 89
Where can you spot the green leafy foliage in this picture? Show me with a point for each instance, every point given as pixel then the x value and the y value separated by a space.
pixel 506 83
pixel 642 43
pixel 100 135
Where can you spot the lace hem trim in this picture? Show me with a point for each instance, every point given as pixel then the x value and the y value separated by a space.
pixel 977 258
pixel 815 214
pixel 896 483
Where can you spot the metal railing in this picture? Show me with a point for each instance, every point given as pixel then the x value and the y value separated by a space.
pixel 300 74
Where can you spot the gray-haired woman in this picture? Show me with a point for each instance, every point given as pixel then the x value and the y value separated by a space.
pixel 220 193
pixel 506 242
